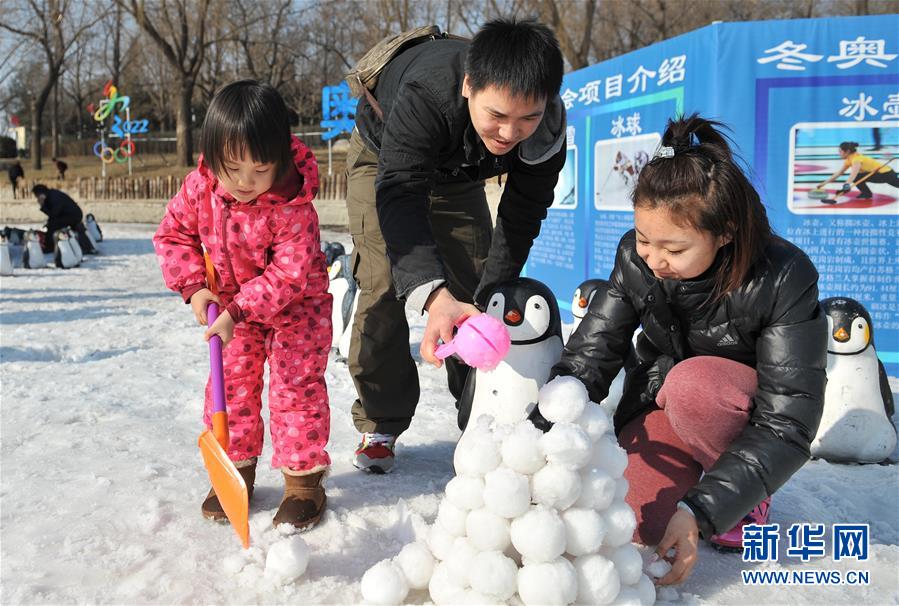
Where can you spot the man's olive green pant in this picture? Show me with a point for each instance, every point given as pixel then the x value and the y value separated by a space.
pixel 380 357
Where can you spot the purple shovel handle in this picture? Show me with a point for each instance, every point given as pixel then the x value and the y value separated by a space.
pixel 215 363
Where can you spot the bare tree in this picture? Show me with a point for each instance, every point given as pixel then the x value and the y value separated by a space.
pixel 54 26
pixel 180 29
pixel 78 84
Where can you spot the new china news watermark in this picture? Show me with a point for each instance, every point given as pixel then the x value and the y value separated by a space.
pixel 805 541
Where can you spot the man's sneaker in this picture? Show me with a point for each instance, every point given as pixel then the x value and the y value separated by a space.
pixel 375 452
pixel 732 540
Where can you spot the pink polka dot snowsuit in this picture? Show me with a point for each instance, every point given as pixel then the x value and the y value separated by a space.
pixel 272 278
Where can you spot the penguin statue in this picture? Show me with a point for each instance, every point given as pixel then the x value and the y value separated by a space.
pixel 856 425
pixel 14 235
pixel 65 254
pixel 33 256
pixel 333 251
pixel 343 288
pixel 583 294
pixel 343 346
pixel 529 310
pixel 75 244
pixel 93 228
pixel 5 259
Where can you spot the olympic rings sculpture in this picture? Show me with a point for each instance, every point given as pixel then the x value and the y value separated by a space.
pixel 119 154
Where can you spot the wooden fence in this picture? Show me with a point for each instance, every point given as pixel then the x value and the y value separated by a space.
pixel 332 187
pixel 126 188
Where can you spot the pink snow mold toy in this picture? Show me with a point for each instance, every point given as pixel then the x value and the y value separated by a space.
pixel 482 341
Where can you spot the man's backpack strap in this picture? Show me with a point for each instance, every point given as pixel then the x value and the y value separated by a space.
pixel 363 78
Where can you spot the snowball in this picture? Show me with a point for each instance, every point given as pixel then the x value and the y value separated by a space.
pixel 233 563
pixel 608 456
pixel 440 542
pixel 620 524
pixel 521 449
pixel 628 562
pixel 487 531
pixel 384 584
pixel 659 568
pixel 597 489
pixel 595 421
pixel 494 575
pixel 548 583
pixel 417 564
pixel 465 492
pixel 667 594
pixel 451 518
pixel 556 486
pixel 562 400
pixel 442 587
pixel 502 430
pixel 287 559
pixel 584 530
pixel 597 580
pixel 566 444
pixel 470 597
pixel 621 488
pixel 628 596
pixel 647 590
pixel 476 453
pixel 539 535
pixel 506 493
pixel 460 559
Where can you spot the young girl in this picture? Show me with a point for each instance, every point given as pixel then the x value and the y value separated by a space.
pixel 728 387
pixel 249 205
pixel 861 167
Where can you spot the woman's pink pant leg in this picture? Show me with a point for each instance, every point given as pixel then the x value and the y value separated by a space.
pixel 704 404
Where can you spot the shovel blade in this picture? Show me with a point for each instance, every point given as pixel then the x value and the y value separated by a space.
pixel 228 485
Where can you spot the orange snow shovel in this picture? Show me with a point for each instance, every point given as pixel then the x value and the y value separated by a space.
pixel 226 480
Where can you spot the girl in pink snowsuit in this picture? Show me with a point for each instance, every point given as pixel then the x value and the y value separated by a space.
pixel 249 205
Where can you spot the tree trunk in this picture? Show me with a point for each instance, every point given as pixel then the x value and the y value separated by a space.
pixel 116 46
pixel 183 126
pixel 37 116
pixel 80 111
pixel 54 125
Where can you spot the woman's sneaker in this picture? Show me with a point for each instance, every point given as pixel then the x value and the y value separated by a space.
pixel 732 540
pixel 375 453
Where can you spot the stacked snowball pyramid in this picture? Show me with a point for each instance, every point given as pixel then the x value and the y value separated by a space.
pixel 530 518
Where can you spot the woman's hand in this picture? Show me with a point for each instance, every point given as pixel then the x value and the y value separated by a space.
pixel 682 534
pixel 223 327
pixel 444 314
pixel 199 301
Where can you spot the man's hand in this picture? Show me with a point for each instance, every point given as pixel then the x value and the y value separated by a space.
pixel 199 301
pixel 223 327
pixel 444 314
pixel 682 534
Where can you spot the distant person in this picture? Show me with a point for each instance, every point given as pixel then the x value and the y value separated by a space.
pixel 61 168
pixel 862 168
pixel 249 205
pixel 62 212
pixel 15 172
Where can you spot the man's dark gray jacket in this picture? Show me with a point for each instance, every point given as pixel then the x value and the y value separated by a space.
pixel 427 137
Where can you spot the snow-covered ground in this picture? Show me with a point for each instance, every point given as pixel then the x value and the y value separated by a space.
pixel 102 375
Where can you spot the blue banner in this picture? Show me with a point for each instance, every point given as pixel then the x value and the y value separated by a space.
pixel 791 91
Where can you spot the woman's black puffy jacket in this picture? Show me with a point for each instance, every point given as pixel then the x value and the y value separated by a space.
pixel 772 323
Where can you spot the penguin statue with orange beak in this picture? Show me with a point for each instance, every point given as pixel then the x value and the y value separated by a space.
pixel 508 393
pixel 856 425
